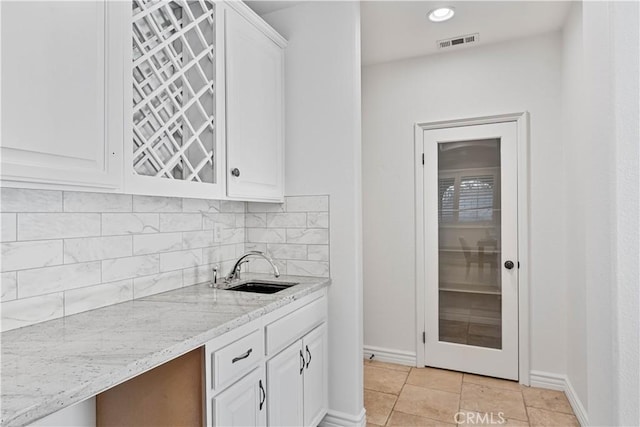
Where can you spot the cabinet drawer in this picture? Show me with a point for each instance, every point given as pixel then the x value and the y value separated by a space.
pixel 284 331
pixel 237 359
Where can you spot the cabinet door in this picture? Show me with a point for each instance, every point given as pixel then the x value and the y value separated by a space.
pixel 284 387
pixel 62 92
pixel 315 375
pixel 242 404
pixel 254 91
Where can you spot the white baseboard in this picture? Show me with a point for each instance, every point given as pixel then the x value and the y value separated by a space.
pixel 389 355
pixel 341 419
pixel 562 383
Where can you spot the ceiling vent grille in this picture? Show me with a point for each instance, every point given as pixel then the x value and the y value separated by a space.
pixel 458 41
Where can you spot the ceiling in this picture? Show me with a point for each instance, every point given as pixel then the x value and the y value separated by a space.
pixel 393 30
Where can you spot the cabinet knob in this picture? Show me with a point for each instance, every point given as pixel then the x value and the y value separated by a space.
pixel 509 265
pixel 235 172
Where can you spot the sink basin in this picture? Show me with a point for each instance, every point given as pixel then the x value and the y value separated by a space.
pixel 262 287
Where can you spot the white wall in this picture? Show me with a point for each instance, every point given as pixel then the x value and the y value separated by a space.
pixel 575 192
pixel 606 161
pixel 520 75
pixel 323 157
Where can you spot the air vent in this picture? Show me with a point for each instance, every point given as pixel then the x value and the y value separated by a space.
pixel 458 41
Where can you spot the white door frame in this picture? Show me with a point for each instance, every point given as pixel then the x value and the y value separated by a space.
pixel 522 122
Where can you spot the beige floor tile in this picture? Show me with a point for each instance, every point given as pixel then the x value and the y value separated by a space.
pixel 491 382
pixel 400 419
pixel 424 402
pixel 392 366
pixel 551 400
pixel 384 380
pixel 544 418
pixel 378 406
pixel 438 379
pixel 477 419
pixel 372 425
pixel 493 400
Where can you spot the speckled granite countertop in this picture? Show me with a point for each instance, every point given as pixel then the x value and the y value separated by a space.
pixel 52 365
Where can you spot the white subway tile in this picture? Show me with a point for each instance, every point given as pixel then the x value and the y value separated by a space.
pixel 27 311
pixel 225 219
pixel 258 265
pixel 308 268
pixel 307 204
pixel 8 226
pixel 318 252
pixel 22 255
pixel 197 239
pixel 287 220
pixel 314 236
pixel 200 205
pixel 201 274
pixel 9 286
pixel 240 249
pixel 260 247
pixel 47 280
pixel 232 206
pixel 97 248
pixel 96 202
pixel 157 242
pixel 183 259
pixel 26 200
pixel 318 220
pixel 232 235
pixel 180 222
pixel 92 297
pixel 156 204
pixel 255 220
pixel 42 226
pixel 287 251
pixel 240 220
pixel 266 235
pixel 265 207
pixel 126 268
pixel 163 282
pixel 219 254
pixel 129 223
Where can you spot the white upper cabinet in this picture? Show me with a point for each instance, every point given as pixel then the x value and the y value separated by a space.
pixel 254 56
pixel 144 97
pixel 62 89
pixel 174 146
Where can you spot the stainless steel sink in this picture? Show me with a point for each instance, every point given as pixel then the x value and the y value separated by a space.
pixel 261 287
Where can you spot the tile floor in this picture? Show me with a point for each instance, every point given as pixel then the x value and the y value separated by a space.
pixel 396 395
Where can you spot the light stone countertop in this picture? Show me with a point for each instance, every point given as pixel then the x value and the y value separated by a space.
pixel 52 365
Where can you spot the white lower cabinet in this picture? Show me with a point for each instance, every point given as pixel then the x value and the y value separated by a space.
pixel 242 404
pixel 285 388
pixel 315 376
pixel 297 382
pixel 282 383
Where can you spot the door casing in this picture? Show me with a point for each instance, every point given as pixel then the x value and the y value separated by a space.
pixel 522 122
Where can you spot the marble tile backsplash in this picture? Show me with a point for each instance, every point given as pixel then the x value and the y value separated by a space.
pixel 295 234
pixel 67 252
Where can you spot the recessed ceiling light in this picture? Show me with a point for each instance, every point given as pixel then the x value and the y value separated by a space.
pixel 441 14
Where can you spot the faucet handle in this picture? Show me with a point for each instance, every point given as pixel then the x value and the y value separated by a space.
pixel 214 280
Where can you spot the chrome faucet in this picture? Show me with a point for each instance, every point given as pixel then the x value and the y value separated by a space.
pixel 234 274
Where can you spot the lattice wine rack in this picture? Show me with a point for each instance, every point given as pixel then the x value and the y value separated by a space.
pixel 173 89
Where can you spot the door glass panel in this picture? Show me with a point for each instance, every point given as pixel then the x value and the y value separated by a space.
pixel 469 283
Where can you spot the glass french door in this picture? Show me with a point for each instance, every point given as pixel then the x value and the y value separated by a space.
pixel 471 266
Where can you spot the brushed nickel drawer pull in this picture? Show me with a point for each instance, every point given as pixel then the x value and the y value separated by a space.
pixel 244 356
